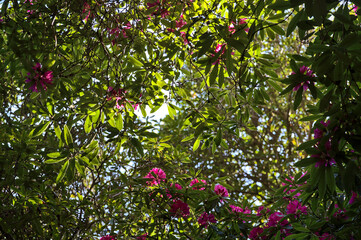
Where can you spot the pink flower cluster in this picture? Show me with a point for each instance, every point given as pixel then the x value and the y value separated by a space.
pixel 86 10
pixel 325 158
pixel 115 32
pixel 242 22
pixel 44 78
pixel 204 219
pixel 158 8
pixel 143 237
pixel 119 95
pixel 304 71
pixel 221 191
pixel 296 208
pixel 108 237
pixel 236 209
pixel 179 209
pixel 31 3
pixel 194 181
pixel 156 175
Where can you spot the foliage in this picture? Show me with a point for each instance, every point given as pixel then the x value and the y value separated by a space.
pixel 244 82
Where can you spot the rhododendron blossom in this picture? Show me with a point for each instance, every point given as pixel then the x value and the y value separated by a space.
pixel 86 10
pixel 295 207
pixel 221 191
pixel 157 175
pixel 304 71
pixel 255 233
pixel 159 10
pixel 179 209
pixel 177 186
pixel 194 181
pixel 119 95
pixel 143 237
pixel 39 77
pixel 242 21
pixel 353 197
pixel 180 22
pixel 274 219
pixel 108 237
pixel 260 211
pixel 205 219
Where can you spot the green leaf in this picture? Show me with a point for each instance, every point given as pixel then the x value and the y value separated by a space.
pixel 278 29
pixel 188 138
pixel 54 155
pixel 57 131
pixel 307 144
pixel 288 89
pixel 135 142
pixel 79 168
pixel 67 136
pixel 296 236
pixel 4 7
pixel 62 172
pixel 88 125
pixel 52 161
pixel 306 162
pixel 322 186
pixel 224 144
pixel 298 98
pixel 311 117
pixel 135 61
pixel 196 144
pixel 275 85
pixel 119 122
pixel 39 130
pixel 293 23
pixel 213 75
pixel 280 5
pixel 171 111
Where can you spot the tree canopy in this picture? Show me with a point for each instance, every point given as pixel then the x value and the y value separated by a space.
pixel 262 138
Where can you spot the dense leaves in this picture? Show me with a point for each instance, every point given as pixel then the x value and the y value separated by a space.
pixel 261 138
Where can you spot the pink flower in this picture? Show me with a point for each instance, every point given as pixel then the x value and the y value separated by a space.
pixel 255 233
pixel 274 219
pixel 194 181
pixel 221 191
pixel 184 36
pixel 180 22
pixel 204 219
pixel 295 207
pixel 39 77
pixel 355 9
pixel 242 21
pixel 353 197
pixel 260 210
pixel 325 236
pixel 108 237
pixel 179 209
pixel 158 10
pixel 340 213
pixel 159 176
pixel 236 209
pixel 177 186
pixel 153 4
pixel 86 9
pixel 231 28
pixel 143 237
pixel 318 133
pixel 305 84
